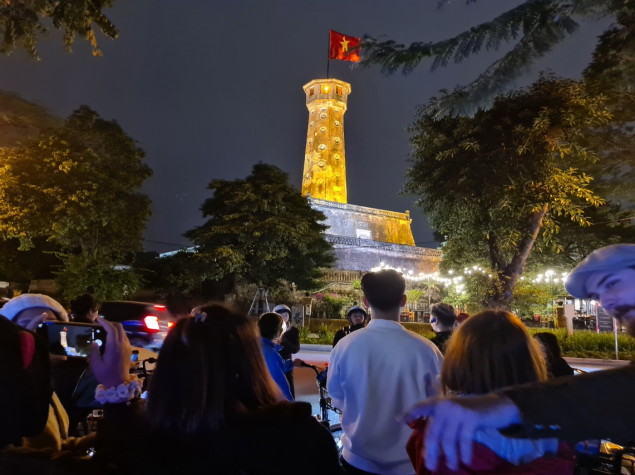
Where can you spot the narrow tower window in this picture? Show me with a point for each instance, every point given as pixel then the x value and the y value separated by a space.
pixel 311 91
pixel 338 90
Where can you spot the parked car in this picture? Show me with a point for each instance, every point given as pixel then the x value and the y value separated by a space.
pixel 145 324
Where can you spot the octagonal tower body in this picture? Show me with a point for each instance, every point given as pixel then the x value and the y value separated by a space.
pixel 324 158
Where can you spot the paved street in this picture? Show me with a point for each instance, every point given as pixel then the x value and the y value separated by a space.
pixel 319 354
pixel 307 390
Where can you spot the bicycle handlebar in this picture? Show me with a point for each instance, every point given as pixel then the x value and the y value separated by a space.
pixel 313 367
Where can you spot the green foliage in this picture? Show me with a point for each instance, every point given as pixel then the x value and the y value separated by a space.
pixel 611 73
pixel 21 22
pixel 530 298
pixel 414 295
pixel 587 344
pixel 21 120
pixel 507 175
pixel 609 224
pixel 76 185
pixel 331 306
pixel 471 296
pixel 458 299
pixel 324 335
pixel 23 266
pixel 184 271
pixel 535 28
pixel 102 278
pixel 262 230
pixel 582 344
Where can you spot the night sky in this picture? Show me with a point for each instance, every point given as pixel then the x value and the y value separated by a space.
pixel 208 88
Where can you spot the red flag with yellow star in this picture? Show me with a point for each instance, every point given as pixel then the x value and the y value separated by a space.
pixel 343 47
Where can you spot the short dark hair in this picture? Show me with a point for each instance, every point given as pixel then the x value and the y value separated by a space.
pixel 384 289
pixel 84 305
pixel 270 325
pixel 445 313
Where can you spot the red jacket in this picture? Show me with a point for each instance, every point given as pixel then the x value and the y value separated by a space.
pixel 486 462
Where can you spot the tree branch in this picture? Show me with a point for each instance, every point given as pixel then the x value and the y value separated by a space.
pixel 515 268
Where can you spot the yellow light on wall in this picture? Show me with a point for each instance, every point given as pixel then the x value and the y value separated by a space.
pixel 325 89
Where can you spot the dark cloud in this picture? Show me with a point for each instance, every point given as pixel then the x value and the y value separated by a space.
pixel 209 88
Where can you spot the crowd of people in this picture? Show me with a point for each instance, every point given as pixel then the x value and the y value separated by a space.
pixel 482 397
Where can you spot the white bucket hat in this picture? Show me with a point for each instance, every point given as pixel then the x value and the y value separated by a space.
pixel 22 302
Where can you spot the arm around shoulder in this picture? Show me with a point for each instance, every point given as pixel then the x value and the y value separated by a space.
pixel 589 406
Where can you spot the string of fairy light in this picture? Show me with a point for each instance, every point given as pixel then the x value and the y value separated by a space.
pixel 457 279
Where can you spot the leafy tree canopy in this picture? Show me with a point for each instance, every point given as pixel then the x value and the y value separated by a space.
pixel 263 230
pixel 535 27
pixel 183 271
pixel 78 186
pixel 21 120
pixel 608 224
pixel 100 277
pixel 41 262
pixel 504 177
pixel 21 22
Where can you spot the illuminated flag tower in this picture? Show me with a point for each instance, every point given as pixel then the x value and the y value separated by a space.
pixel 325 159
pixel 362 237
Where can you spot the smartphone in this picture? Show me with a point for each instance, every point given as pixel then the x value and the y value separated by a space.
pixel 135 356
pixel 74 340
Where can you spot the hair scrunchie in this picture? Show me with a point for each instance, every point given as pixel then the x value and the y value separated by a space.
pixel 125 392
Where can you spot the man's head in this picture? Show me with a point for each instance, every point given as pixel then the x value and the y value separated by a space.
pixel 356 315
pixel 443 317
pixel 270 326
pixel 283 311
pixel 26 308
pixel 384 291
pixel 608 275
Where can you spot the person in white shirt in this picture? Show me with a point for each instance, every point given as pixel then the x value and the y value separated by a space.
pixel 375 374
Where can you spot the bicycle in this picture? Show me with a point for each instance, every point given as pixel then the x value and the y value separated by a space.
pixel 323 417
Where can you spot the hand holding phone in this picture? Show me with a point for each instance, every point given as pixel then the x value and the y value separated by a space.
pixel 111 366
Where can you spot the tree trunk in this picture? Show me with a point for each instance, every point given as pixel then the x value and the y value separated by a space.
pixel 508 275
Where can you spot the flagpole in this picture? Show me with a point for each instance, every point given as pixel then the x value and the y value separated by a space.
pixel 328 57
